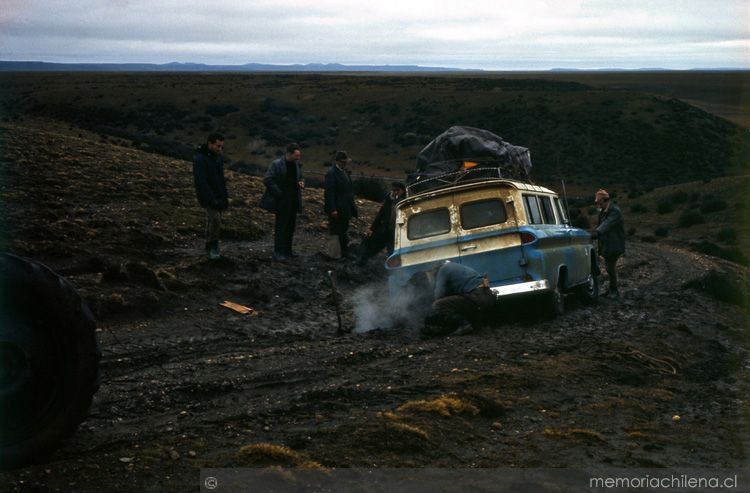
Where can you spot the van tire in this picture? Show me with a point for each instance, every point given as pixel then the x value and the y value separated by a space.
pixel 556 301
pixel 588 292
pixel 49 361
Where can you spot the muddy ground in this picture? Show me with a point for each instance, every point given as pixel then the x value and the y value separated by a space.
pixel 658 378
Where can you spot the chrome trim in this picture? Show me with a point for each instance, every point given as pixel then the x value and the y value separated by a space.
pixel 520 288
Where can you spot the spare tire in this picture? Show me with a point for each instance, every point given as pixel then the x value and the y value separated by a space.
pixel 49 361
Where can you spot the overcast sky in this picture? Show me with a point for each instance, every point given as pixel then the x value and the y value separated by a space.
pixel 485 34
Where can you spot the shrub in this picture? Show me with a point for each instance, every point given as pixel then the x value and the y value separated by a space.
pixel 722 286
pixel 407 139
pixel 369 188
pixel 690 218
pixel 638 208
pixel 579 220
pixel 733 254
pixel 662 231
pixel 665 205
pixel 727 235
pixel 712 204
pixel 679 197
pixel 313 182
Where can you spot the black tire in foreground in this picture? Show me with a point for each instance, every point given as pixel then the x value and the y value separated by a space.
pixel 49 361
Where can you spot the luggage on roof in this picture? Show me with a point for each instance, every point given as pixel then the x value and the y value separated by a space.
pixel 471 153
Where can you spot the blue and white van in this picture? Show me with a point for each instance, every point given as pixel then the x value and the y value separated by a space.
pixel 515 232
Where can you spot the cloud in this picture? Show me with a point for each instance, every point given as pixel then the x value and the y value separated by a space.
pixel 472 33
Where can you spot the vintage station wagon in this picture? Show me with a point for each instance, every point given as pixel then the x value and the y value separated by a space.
pixel 515 232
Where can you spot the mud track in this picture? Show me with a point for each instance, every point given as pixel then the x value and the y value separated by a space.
pixel 657 378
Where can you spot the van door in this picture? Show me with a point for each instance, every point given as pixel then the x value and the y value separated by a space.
pixel 488 237
pixel 427 231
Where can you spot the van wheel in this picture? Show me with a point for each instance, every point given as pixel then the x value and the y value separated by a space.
pixel 556 301
pixel 49 361
pixel 588 292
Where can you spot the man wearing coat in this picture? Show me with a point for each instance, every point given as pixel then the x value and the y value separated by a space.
pixel 611 238
pixel 339 201
pixel 381 232
pixel 283 196
pixel 211 188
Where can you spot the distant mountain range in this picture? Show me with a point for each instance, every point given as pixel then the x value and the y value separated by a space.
pixel 33 66
pixel 8 66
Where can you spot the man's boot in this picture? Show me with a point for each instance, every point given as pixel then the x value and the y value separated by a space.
pixel 612 294
pixel 213 250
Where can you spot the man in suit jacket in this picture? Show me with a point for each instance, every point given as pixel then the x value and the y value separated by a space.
pixel 283 196
pixel 339 200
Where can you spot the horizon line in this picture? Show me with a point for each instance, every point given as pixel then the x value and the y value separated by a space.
pixel 337 66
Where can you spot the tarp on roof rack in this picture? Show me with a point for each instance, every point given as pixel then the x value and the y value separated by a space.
pixel 461 148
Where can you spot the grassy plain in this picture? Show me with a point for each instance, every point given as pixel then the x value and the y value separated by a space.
pixel 641 135
pixel 617 129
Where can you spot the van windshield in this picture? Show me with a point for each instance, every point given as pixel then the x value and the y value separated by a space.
pixel 482 213
pixel 429 223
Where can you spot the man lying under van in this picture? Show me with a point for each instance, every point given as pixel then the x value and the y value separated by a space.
pixel 460 298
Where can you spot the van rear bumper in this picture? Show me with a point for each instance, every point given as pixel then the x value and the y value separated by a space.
pixel 521 288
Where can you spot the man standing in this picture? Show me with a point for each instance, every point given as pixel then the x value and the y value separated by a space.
pixel 211 188
pixel 461 299
pixel 381 232
pixel 611 238
pixel 339 201
pixel 283 197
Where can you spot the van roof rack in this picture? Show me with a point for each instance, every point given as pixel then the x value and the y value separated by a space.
pixel 468 171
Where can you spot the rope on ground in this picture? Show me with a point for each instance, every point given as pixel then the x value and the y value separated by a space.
pixel 662 365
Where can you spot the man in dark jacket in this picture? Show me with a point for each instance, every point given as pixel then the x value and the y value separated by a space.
pixel 381 232
pixel 461 295
pixel 284 183
pixel 611 238
pixel 339 201
pixel 211 188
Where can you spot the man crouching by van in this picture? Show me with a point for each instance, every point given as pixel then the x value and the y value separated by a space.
pixel 461 296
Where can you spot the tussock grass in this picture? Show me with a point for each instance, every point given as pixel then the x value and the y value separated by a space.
pixel 574 434
pixel 272 454
pixel 445 405
pixel 404 428
pixel 394 423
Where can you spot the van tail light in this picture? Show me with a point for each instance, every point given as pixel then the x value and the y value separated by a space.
pixel 393 261
pixel 527 238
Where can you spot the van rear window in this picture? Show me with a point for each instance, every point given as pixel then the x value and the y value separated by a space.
pixel 482 213
pixel 429 223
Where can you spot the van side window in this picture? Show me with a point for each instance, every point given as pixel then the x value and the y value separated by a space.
pixel 482 213
pixel 547 213
pixel 561 211
pixel 429 223
pixel 533 214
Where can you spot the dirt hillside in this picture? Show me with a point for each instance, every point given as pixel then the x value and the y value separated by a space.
pixel 658 378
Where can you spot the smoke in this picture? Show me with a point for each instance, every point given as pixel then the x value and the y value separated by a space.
pixel 375 309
